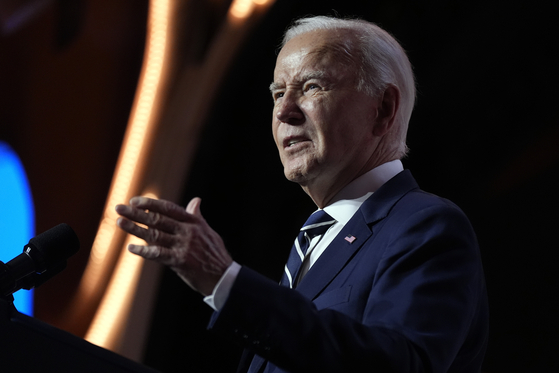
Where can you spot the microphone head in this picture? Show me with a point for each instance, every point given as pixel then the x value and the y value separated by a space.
pixel 53 246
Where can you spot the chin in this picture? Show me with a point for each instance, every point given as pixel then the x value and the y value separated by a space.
pixel 300 170
pixel 295 176
pixel 298 176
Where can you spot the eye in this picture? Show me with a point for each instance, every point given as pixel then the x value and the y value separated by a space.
pixel 277 95
pixel 311 86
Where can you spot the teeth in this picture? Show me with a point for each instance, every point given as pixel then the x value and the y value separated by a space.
pixel 292 142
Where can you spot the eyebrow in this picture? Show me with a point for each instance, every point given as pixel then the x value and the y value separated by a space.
pixel 274 86
pixel 312 75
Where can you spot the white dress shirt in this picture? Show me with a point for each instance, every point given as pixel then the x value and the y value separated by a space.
pixel 342 207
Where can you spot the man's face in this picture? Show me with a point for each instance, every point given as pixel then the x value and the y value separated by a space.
pixel 322 126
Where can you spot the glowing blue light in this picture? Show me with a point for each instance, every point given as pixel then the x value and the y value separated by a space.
pixel 17 217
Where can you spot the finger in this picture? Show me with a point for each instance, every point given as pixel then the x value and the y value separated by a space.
pixel 194 206
pixel 161 206
pixel 150 235
pixel 155 253
pixel 148 218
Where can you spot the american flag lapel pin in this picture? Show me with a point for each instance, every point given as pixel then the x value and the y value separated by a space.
pixel 349 238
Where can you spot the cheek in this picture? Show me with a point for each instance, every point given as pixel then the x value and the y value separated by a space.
pixel 275 126
pixel 340 140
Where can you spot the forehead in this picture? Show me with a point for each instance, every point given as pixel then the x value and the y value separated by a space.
pixel 320 50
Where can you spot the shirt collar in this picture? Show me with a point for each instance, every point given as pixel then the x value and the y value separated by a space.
pixel 349 199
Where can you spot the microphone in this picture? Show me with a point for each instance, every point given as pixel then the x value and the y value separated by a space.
pixel 44 256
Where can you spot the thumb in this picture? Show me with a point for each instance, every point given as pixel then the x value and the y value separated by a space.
pixel 194 206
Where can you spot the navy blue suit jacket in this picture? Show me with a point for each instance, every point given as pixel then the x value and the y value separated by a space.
pixel 407 295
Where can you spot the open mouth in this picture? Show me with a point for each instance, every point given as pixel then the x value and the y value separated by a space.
pixel 290 142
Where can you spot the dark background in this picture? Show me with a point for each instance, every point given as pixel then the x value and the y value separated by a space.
pixel 484 134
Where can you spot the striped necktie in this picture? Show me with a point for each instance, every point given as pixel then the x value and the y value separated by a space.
pixel 317 224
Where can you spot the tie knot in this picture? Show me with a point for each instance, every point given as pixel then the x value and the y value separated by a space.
pixel 318 223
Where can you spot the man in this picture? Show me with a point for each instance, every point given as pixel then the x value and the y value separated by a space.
pixel 392 281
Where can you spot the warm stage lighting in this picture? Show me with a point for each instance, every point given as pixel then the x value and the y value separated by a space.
pixel 140 125
pixel 110 290
pixel 107 244
pixel 110 319
pixel 242 9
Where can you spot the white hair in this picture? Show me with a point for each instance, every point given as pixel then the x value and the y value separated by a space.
pixel 381 62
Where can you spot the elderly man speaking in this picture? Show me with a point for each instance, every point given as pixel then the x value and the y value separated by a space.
pixel 383 277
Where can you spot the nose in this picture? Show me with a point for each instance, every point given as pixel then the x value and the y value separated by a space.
pixel 288 110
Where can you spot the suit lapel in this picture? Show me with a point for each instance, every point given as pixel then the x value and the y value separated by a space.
pixel 341 251
pixel 335 257
pixel 357 231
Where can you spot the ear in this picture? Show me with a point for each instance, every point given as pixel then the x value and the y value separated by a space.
pixel 389 101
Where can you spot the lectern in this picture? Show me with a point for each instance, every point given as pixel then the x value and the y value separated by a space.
pixel 29 345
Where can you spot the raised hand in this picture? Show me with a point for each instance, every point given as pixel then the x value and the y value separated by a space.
pixel 178 238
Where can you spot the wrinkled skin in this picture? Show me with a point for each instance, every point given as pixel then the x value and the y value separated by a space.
pixel 178 238
pixel 327 134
